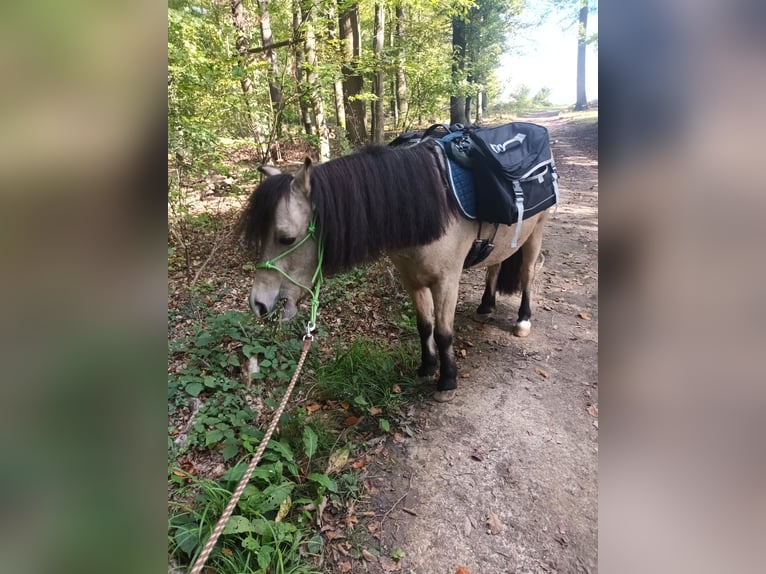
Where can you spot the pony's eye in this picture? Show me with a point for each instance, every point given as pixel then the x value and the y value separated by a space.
pixel 287 240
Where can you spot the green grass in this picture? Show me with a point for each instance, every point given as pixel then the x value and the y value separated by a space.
pixel 370 374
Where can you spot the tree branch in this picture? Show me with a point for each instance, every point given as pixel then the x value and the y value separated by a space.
pixel 270 47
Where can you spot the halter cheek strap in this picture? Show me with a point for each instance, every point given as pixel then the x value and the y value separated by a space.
pixel 316 279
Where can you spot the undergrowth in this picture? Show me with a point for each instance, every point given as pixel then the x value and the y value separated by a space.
pixel 216 412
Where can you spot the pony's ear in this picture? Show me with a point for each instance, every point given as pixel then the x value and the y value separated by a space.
pixel 303 177
pixel 269 170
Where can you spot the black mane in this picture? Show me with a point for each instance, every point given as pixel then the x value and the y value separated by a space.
pixel 371 201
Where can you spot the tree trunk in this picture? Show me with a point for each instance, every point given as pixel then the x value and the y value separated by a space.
pixel 303 100
pixel 314 88
pixel 332 27
pixel 353 83
pixel 275 91
pixel 582 101
pixel 479 107
pixel 239 19
pixel 457 103
pixel 402 105
pixel 378 120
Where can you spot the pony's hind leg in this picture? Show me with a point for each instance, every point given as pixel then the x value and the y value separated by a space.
pixel 530 253
pixel 490 288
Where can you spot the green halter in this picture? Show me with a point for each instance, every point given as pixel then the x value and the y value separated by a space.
pixel 316 279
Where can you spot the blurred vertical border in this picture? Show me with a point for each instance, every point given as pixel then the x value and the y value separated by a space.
pixel 682 460
pixel 83 260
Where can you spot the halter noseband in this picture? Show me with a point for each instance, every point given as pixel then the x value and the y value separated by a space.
pixel 316 279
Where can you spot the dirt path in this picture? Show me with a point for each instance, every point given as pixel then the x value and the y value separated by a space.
pixel 519 443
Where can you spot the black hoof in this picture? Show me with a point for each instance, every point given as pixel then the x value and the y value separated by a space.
pixel 485 309
pixel 446 385
pixel 444 396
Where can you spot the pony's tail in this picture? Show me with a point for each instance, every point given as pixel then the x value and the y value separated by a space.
pixel 509 278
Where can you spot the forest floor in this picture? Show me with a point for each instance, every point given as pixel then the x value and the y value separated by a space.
pixel 504 478
pixel 501 480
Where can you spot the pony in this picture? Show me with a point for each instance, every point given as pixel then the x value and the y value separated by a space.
pixel 378 201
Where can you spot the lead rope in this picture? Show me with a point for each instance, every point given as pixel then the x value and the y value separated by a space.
pixel 316 280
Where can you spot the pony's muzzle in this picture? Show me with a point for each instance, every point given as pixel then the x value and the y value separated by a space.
pixel 258 307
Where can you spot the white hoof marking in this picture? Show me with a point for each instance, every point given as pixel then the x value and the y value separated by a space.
pixel 522 328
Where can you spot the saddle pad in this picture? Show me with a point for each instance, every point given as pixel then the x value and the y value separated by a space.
pixel 461 183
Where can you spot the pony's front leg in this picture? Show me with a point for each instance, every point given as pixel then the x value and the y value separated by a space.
pixel 445 299
pixel 424 309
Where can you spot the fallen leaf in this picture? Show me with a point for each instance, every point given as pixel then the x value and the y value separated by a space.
pixel 463 352
pixel 593 410
pixel 494 524
pixel 367 555
pixel 334 535
pixel 398 437
pixel 361 463
pixel 595 424
pixel 345 406
pixel 350 421
pixel 344 566
pixel 227 551
pixel 584 315
pixel 467 526
pixel 313 407
pixel 478 454
pixel 373 527
pixel 284 508
pixel 540 372
pixel 179 473
pixel 388 564
pixel 338 460
pixel 374 411
pixel 463 570
pixel 396 389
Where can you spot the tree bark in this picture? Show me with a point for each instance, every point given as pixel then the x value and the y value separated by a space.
pixel 402 104
pixel 275 91
pixel 353 83
pixel 303 100
pixel 378 120
pixel 314 88
pixel 582 100
pixel 479 106
pixel 239 20
pixel 340 108
pixel 457 103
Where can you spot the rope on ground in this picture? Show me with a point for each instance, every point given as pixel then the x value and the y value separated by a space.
pixel 205 554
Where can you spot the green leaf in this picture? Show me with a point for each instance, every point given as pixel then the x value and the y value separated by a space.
pixel 384 424
pixel 264 557
pixel 212 437
pixel 237 524
pixel 397 554
pixel 251 544
pixel 187 538
pixel 281 448
pixel 325 481
pixel 310 441
pixel 194 389
pixel 209 381
pixel 274 495
pixel 230 450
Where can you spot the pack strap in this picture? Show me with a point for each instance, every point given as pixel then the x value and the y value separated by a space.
pixel 518 194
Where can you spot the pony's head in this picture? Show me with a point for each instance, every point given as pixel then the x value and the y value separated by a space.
pixel 276 226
